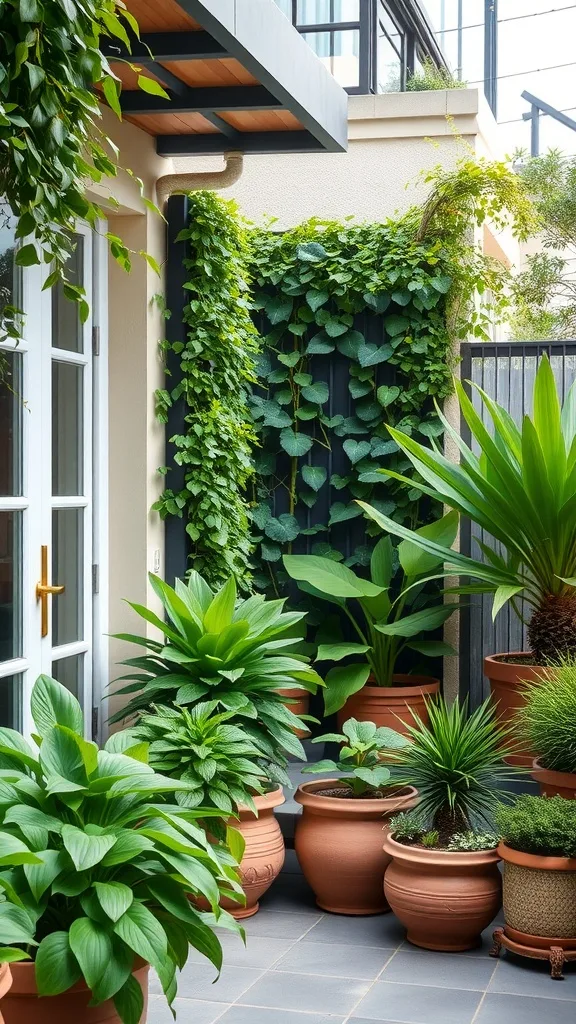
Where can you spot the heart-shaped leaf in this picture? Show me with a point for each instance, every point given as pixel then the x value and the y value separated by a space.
pixel 320 345
pixel 316 298
pixel 356 450
pixel 295 444
pixel 314 476
pixel 318 393
pixel 371 355
pixel 386 395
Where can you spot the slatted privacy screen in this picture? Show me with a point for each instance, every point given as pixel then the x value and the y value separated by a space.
pixel 506 372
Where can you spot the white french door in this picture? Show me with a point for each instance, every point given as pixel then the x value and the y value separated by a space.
pixel 48 556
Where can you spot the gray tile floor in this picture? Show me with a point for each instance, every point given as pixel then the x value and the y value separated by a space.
pixel 302 966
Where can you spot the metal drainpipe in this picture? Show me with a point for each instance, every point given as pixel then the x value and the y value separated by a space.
pixel 179 184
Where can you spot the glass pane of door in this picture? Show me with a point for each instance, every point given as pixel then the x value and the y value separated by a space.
pixel 68 571
pixel 69 672
pixel 11 406
pixel 10 585
pixel 11 701
pixel 67 428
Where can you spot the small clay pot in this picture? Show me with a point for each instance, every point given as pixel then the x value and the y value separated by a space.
pixel 444 899
pixel 264 854
pixel 5 983
pixel 299 704
pixel 508 681
pixel 393 706
pixel 539 895
pixel 554 783
pixel 339 846
pixel 23 1005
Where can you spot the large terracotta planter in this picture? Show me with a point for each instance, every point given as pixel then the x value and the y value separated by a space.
pixel 299 704
pixel 539 897
pixel 393 706
pixel 264 854
pixel 508 688
pixel 444 899
pixel 5 983
pixel 339 846
pixel 22 1005
pixel 554 783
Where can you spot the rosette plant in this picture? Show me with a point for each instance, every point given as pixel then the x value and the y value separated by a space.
pixel 95 867
pixel 218 647
pixel 521 489
pixel 388 613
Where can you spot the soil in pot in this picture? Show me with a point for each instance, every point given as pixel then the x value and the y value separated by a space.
pixel 299 704
pixel 22 1005
pixel 554 783
pixel 393 706
pixel 539 896
pixel 339 845
pixel 508 675
pixel 444 899
pixel 264 854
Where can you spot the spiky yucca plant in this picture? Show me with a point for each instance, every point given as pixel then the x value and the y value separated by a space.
pixel 521 489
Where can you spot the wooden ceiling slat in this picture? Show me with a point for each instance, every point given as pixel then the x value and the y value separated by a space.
pixel 166 16
pixel 173 124
pixel 261 120
pixel 225 71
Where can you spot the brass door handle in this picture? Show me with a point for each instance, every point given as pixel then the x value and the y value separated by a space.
pixel 44 589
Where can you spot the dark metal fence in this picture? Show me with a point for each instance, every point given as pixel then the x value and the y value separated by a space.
pixel 506 371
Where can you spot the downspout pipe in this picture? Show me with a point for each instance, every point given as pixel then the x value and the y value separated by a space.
pixel 180 184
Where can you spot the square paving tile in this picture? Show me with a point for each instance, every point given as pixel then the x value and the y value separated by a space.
pixel 291 893
pixel 280 925
pixel 498 1008
pixel 259 951
pixel 197 981
pixel 308 992
pixel 188 1011
pixel 443 969
pixel 383 930
pixel 417 1004
pixel 532 978
pixel 261 1015
pixel 339 961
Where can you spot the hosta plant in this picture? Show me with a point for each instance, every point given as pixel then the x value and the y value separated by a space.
pixel 218 647
pixel 456 764
pixel 95 867
pixel 521 489
pixel 548 718
pixel 388 613
pixel 359 766
pixel 221 763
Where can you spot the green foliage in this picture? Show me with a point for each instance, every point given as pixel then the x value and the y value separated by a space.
pixel 216 370
pixel 545 826
pixel 521 491
pixel 548 718
pixel 431 77
pixel 456 765
pixel 51 140
pixel 430 839
pixel 408 826
pixel 237 652
pixel 222 764
pixel 544 293
pixel 470 842
pixel 359 762
pixel 386 622
pixel 95 867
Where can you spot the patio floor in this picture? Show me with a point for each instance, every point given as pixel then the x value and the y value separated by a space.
pixel 302 966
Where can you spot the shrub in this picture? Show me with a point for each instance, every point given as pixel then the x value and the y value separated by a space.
pixel 469 842
pixel 431 77
pixel 361 744
pixel 408 826
pixel 545 826
pixel 548 719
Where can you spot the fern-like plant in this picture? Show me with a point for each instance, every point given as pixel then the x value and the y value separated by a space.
pixel 548 718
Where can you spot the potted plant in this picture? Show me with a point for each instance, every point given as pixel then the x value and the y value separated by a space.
pixel 547 723
pixel 339 835
pixel 443 882
pixel 225 770
pixel 538 849
pixel 5 983
pixel 96 869
pixel 216 646
pixel 388 614
pixel 521 490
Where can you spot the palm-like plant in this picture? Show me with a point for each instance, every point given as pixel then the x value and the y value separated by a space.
pixel 521 489
pixel 456 764
pixel 221 648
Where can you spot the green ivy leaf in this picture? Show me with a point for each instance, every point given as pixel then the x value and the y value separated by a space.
pixel 284 529
pixel 314 476
pixel 261 514
pixel 311 252
pixel 387 394
pixel 318 393
pixel 380 447
pixel 371 355
pixel 307 412
pixel 315 298
pixel 396 324
pixel 349 344
pixel 431 428
pixel 308 497
pixel 340 512
pixel 334 328
pixel 442 283
pixel 320 345
pixel 356 450
pixel 283 397
pixel 278 309
pixel 339 482
pixel 359 388
pixel 270 552
pixel 294 444
pixel 368 410
pixel 151 86
pixel 289 358
pixel 277 376
pixel 303 379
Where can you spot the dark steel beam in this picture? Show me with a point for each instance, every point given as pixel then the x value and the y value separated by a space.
pixel 201 99
pixel 246 142
pixel 158 46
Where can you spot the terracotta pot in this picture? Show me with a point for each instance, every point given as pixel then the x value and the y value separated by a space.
pixel 554 783
pixel 339 847
pixel 393 706
pixel 444 899
pixel 264 854
pixel 539 894
pixel 508 688
pixel 299 704
pixel 5 983
pixel 22 1005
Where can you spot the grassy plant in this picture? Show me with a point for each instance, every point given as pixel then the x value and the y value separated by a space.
pixel 548 719
pixel 545 826
pixel 431 77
